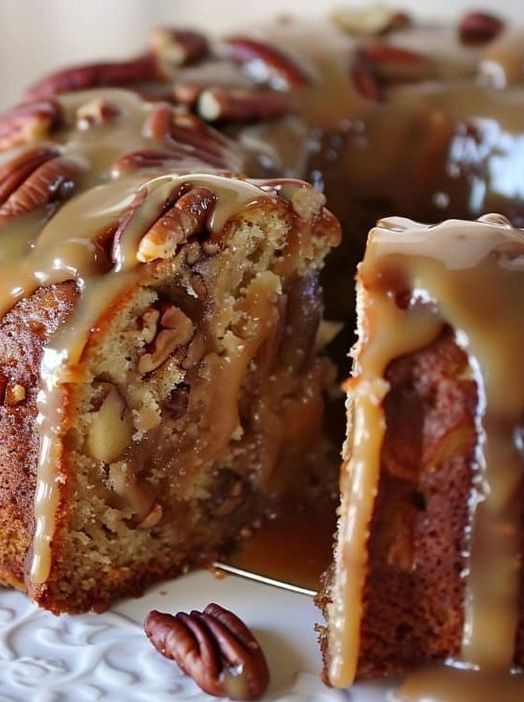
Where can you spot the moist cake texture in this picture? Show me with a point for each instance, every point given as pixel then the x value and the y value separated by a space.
pixel 161 389
pixel 428 562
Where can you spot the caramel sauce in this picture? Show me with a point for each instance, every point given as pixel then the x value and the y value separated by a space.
pixel 469 275
pixel 369 154
pixel 35 252
pixel 293 547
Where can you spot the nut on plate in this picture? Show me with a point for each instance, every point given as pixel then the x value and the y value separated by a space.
pixel 215 648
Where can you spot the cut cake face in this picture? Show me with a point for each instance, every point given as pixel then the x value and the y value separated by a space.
pixel 162 387
pixel 429 551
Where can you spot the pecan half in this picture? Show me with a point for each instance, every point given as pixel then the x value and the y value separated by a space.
pixel 379 65
pixel 242 105
pixel 186 217
pixel 479 28
pixel 97 75
pixel 28 122
pixel 198 139
pixel 174 330
pixel 266 63
pixel 215 648
pixel 147 158
pixel 33 179
pixel 366 82
pixel 179 47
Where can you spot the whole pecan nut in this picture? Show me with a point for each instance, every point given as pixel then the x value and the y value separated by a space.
pixel 215 648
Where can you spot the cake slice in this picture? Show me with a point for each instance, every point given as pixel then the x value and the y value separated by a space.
pixel 161 390
pixel 428 561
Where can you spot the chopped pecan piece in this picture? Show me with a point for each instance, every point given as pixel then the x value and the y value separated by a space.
pixel 14 394
pixel 266 63
pixel 95 112
pixel 29 122
pixel 33 179
pixel 179 47
pixel 97 75
pixel 178 401
pixel 215 648
pixel 174 331
pixel 242 105
pixel 372 20
pixel 187 93
pixel 153 518
pixel 111 428
pixel 186 217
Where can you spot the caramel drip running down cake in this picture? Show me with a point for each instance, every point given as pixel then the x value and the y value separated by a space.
pixel 160 384
pixel 428 565
pixel 384 114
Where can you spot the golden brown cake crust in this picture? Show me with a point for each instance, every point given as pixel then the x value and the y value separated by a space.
pixel 23 333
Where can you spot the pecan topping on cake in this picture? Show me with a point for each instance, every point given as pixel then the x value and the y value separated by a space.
pixel 242 105
pixel 479 28
pixel 178 47
pixel 28 122
pixel 33 179
pixel 96 75
pixel 215 648
pixel 272 65
pixel 186 217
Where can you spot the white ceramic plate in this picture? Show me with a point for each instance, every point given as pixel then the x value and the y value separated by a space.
pixel 44 658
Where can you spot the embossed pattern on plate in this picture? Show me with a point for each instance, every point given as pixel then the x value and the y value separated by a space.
pixel 91 657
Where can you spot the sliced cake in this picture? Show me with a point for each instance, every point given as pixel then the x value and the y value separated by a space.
pixel 160 385
pixel 428 562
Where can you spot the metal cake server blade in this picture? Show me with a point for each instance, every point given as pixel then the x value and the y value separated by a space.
pixel 289 552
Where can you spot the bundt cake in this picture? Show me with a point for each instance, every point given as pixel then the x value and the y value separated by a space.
pixel 160 384
pixel 161 379
pixel 428 563
pixel 384 114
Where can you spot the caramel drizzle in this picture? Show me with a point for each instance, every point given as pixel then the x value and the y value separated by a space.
pixel 470 276
pixel 35 254
pixel 64 351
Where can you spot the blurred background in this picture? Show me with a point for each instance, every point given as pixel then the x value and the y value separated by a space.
pixel 37 36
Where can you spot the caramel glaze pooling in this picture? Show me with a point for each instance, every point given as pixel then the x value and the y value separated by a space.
pixel 468 275
pixel 93 238
pixel 340 108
